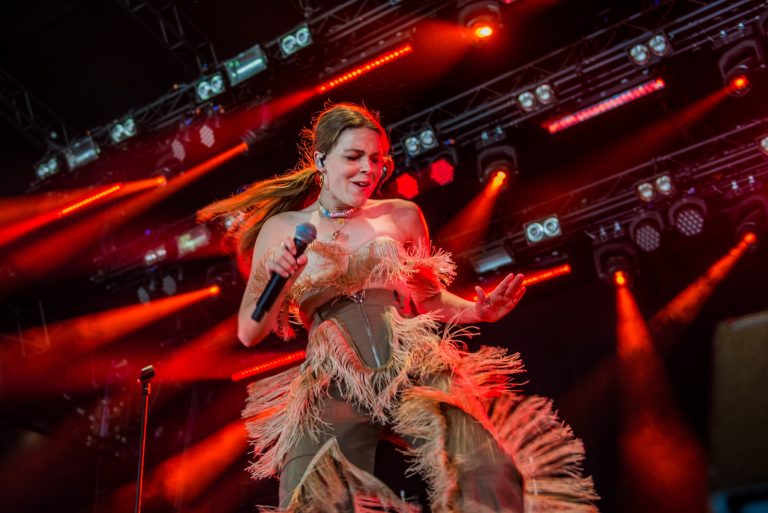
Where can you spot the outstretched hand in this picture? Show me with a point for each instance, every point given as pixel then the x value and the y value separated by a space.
pixel 492 307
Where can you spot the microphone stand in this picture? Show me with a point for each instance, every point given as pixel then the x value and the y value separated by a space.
pixel 147 373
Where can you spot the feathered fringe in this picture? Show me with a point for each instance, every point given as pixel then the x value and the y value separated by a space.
pixel 331 484
pixel 425 270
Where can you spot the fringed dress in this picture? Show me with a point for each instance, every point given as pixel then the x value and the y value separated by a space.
pixel 374 363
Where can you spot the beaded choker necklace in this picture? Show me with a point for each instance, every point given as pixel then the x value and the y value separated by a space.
pixel 340 214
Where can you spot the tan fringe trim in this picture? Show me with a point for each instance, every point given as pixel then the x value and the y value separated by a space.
pixel 331 483
pixel 383 260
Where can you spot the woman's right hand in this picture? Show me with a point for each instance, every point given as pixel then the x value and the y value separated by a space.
pixel 284 261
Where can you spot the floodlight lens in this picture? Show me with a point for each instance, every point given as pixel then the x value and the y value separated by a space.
pixel 527 101
pixel 665 185
pixel 428 139
pixel 658 44
pixel 412 145
pixel 534 232
pixel 640 54
pixel 303 36
pixel 545 94
pixel 646 192
pixel 551 226
pixel 289 44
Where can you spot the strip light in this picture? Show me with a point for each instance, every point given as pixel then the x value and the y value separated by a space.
pixel 267 366
pixel 547 274
pixel 89 199
pixel 615 101
pixel 365 68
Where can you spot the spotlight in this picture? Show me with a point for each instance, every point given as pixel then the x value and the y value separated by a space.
pixel 539 230
pixel 640 54
pixel 207 137
pixel 81 153
pixel 659 45
pixel 646 231
pixel 738 63
pixel 481 18
pixel 494 159
pixel 153 256
pixel 412 145
pixel 119 131
pixel 665 185
pixel 762 143
pixel 420 142
pixel 545 94
pixel 687 215
pixel 646 192
pixel 428 139
pixel 750 216
pixel 491 259
pixel 615 262
pixel 196 238
pixel 527 101
pixel 178 150
pixel 295 40
pixel 209 87
pixel 244 66
pixel 47 167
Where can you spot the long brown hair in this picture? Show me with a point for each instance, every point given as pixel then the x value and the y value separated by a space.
pixel 297 188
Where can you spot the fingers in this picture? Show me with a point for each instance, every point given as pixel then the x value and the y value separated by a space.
pixel 283 261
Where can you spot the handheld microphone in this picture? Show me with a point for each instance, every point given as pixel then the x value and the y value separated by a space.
pixel 305 234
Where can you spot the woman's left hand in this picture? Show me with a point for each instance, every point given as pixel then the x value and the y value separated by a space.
pixel 492 307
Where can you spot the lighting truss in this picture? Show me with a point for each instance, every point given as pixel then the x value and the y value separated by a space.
pixel 581 72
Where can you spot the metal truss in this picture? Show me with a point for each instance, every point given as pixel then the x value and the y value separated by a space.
pixel 34 119
pixel 707 170
pixel 173 28
pixel 587 70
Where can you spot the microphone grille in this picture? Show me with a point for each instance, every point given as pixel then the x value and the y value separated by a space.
pixel 306 232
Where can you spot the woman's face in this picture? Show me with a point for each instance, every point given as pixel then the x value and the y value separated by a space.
pixel 353 168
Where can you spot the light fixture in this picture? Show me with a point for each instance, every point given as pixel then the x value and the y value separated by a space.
pixel 207 137
pixel 156 255
pixel 420 142
pixel 688 215
pixel 640 54
pixel 645 231
pixel 665 185
pixel 750 215
pixel 406 186
pixel 361 70
pixel 244 66
pixel 495 159
pixel 121 130
pixel 738 63
pixel 527 101
pixel 615 262
pixel 491 259
pixel 81 152
pixel 295 40
pixel 481 19
pixel 545 94
pixel 645 191
pixel 209 87
pixel 762 143
pixel 659 45
pixel 441 171
pixel 540 230
pixel 192 240
pixel 49 166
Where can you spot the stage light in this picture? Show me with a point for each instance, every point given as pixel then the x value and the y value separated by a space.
pixel 153 256
pixel 209 87
pixel 295 40
pixel 491 259
pixel 119 131
pixel 687 215
pixel 240 68
pixel 762 143
pixel 646 230
pixel 543 229
pixel 49 166
pixel 665 185
pixel 407 186
pixel 90 199
pixel 412 146
pixel 365 68
pixel 527 101
pixel 275 363
pixel 640 54
pixel 493 159
pixel 196 238
pixel 646 192
pixel 207 137
pixel 499 178
pixel 428 139
pixel 620 278
pixel 148 291
pixel 545 94
pixel 603 106
pixel 738 63
pixel 659 45
pixel 615 262
pixel 178 150
pixel 750 216
pixel 214 290
pixel 420 142
pixel 739 84
pixel 81 153
pixel 441 171
pixel 169 285
pixel 481 18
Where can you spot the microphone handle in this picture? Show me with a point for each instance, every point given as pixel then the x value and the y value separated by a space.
pixel 275 285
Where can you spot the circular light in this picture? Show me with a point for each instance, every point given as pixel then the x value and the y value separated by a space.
pixel 214 290
pixel 217 84
pixel 483 31
pixel 665 185
pixel 289 44
pixel 764 144
pixel 658 44
pixel 647 235
pixel 527 101
pixel 534 232
pixel 129 126
pixel 428 139
pixel 203 90
pixel 545 94
pixel 117 133
pixel 412 145
pixel 620 277
pixel 640 54
pixel 303 36
pixel 739 85
pixel 499 177
pixel 551 226
pixel 689 220
pixel 646 191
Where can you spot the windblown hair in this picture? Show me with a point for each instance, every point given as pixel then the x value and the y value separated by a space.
pixel 297 188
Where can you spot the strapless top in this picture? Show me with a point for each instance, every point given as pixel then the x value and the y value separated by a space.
pixel 335 270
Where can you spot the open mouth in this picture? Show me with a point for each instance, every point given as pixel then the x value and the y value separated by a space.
pixel 362 185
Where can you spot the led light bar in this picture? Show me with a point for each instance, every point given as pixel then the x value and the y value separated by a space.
pixel 546 275
pixel 614 102
pixel 89 199
pixel 365 68
pixel 267 366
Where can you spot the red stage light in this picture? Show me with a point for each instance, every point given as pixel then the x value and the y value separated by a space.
pixel 499 178
pixel 365 68
pixel 739 84
pixel 266 366
pixel 90 199
pixel 214 290
pixel 546 275
pixel 749 238
pixel 620 278
pixel 615 101
pixel 441 171
pixel 482 31
pixel 407 186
